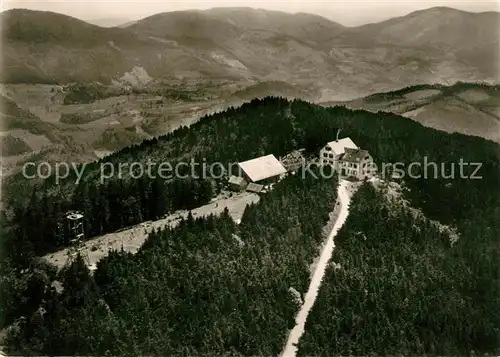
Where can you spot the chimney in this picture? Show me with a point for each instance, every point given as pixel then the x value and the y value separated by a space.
pixel 338 132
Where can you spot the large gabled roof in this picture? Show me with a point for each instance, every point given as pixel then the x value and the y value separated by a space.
pixel 262 168
pixel 338 147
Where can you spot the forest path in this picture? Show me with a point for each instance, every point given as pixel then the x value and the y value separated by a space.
pixel 344 198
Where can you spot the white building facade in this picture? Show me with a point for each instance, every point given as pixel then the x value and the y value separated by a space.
pixel 347 159
pixel 356 163
pixel 331 153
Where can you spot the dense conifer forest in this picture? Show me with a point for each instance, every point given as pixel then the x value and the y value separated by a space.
pixel 399 286
pixel 107 208
pixel 456 287
pixel 260 127
pixel 208 286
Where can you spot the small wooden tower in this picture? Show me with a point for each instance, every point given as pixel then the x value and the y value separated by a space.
pixel 74 221
pixel 76 236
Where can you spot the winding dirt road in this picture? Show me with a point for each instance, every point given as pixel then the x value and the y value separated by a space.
pixel 344 198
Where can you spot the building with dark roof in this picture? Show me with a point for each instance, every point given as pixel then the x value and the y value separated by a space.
pixel 355 163
pixel 332 151
pixel 354 155
pixel 293 161
pixel 237 183
pixel 254 187
pixel 347 159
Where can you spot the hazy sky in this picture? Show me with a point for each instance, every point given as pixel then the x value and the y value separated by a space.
pixel 347 12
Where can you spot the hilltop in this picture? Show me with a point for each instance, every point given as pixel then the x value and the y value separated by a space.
pixel 388 137
pixel 30 26
pixel 99 120
pixel 184 280
pixel 46 47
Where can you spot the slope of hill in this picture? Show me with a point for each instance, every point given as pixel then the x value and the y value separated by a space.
pixel 437 26
pixel 224 24
pixel 49 27
pixel 279 134
pixel 46 47
pixel 11 146
pixel 471 38
pixel 185 282
pixel 47 141
pixel 276 89
pixel 257 45
pixel 467 108
pixel 190 24
pixel 312 29
pixel 395 273
pixel 18 119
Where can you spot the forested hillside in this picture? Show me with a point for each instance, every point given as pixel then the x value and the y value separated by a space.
pixel 107 207
pixel 206 287
pixel 260 127
pixel 468 271
pixel 399 286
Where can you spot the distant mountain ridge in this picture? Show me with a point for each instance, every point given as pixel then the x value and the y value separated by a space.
pixel 440 45
pixel 34 27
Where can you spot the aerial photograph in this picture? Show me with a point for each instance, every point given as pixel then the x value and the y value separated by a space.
pixel 249 178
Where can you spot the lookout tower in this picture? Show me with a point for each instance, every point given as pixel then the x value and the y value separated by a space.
pixel 76 235
pixel 75 226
